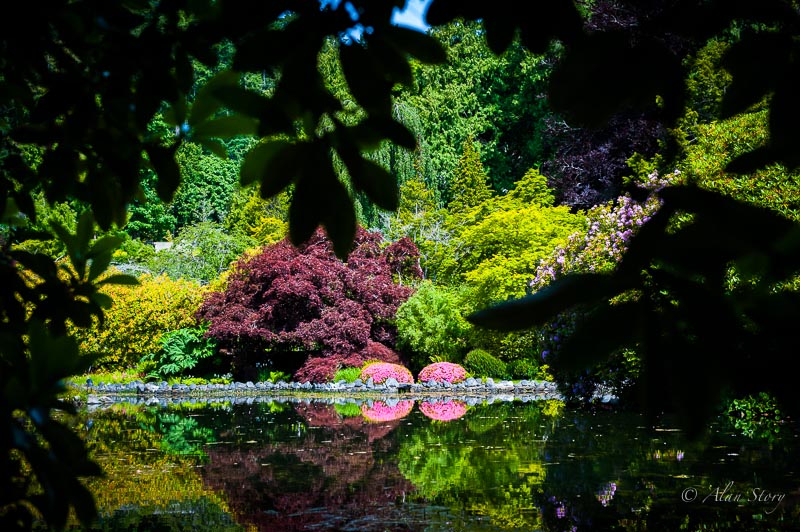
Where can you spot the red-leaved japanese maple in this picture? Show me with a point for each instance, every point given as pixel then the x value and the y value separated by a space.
pixel 304 311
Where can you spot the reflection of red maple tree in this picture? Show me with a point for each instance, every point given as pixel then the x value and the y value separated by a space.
pixel 283 485
pixel 287 302
pixel 323 415
pixel 443 411
pixel 381 412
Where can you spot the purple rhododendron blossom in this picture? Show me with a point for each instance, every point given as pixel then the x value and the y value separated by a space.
pixel 609 230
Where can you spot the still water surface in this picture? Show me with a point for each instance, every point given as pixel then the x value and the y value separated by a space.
pixel 429 466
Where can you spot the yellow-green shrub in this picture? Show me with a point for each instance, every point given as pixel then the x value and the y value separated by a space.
pixel 139 316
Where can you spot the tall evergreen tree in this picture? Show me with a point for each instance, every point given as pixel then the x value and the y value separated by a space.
pixel 470 184
pixel 496 98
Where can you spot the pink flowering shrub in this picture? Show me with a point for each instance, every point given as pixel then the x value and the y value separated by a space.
pixel 381 371
pixel 380 411
pixel 442 372
pixel 443 411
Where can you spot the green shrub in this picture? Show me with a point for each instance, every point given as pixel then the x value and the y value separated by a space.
pixel 523 369
pixel 138 318
pixel 430 326
pixel 133 251
pixel 347 409
pixel 200 252
pixel 273 376
pixel 183 353
pixel 481 363
pixel 347 374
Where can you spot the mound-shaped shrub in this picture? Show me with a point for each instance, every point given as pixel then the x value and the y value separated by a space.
pixel 443 411
pixel 379 372
pixel 483 364
pixel 380 411
pixel 139 317
pixel 523 369
pixel 322 368
pixel 347 374
pixel 442 372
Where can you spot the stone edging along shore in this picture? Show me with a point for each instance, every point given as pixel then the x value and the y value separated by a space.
pixel 471 391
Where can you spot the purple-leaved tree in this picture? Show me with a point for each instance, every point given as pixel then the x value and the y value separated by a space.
pixel 303 311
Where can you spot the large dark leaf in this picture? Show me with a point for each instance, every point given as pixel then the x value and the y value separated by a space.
pixel 272 116
pixel 444 11
pixel 784 115
pixel 605 74
pixel 99 264
pixel 379 185
pixel 214 146
pixel 169 175
pixel 606 329
pixel 419 45
pixel 206 103
pixel 279 45
pixel 274 164
pixel 390 62
pixel 306 211
pixel 369 134
pixel 52 358
pixel 757 63
pixel 319 198
pixel 547 303
pixel 369 87
pixel 500 31
pixel 556 19
pixel 226 127
pixel 39 263
pixel 753 160
pixel 119 278
pixel 340 220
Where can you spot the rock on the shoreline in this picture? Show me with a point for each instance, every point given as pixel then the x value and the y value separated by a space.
pixel 471 391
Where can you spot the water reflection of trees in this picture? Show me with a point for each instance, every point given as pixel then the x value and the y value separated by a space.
pixel 609 472
pixel 283 466
pixel 488 463
pixel 331 472
pixel 146 490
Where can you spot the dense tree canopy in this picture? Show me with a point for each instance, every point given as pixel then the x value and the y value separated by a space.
pixel 290 303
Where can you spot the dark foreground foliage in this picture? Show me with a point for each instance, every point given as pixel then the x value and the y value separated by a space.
pixel 81 81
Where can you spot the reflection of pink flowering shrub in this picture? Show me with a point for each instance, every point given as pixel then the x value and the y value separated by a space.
pixel 380 371
pixel 380 411
pixel 446 411
pixel 443 371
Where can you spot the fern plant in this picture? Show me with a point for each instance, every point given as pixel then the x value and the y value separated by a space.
pixel 183 352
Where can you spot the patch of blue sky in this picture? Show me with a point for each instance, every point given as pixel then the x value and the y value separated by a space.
pixel 411 16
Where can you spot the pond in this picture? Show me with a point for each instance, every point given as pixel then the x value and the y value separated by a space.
pixel 428 465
